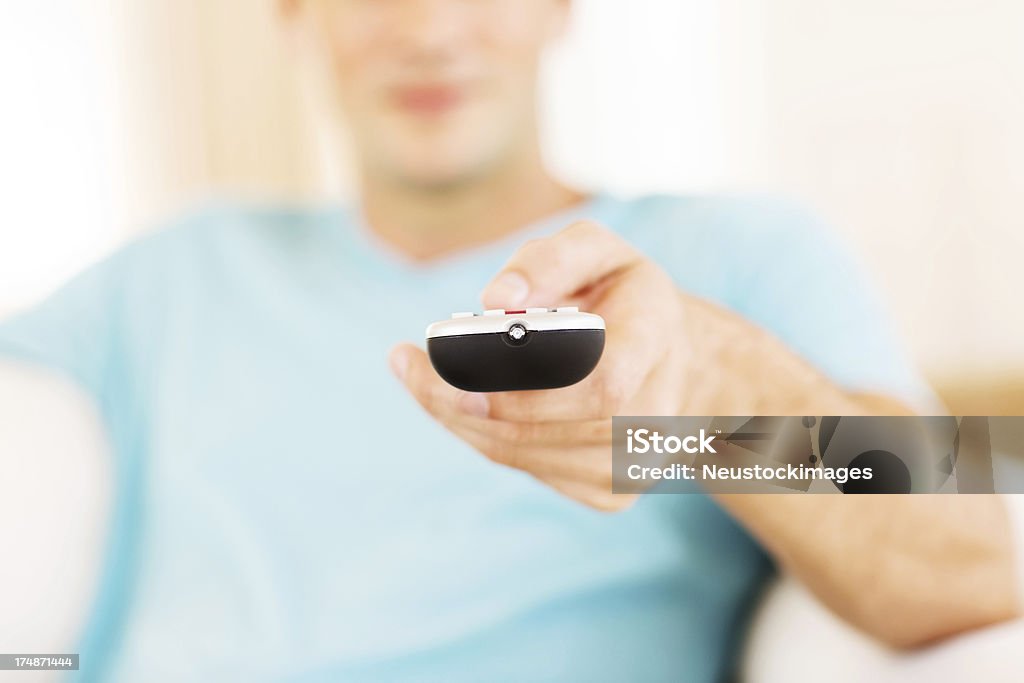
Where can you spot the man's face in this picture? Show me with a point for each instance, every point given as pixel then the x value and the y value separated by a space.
pixel 436 91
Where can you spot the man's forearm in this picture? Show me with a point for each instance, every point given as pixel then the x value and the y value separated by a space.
pixel 907 569
pixel 741 369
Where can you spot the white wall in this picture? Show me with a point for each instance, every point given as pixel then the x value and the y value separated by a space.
pixel 634 98
pixel 903 122
pixel 62 161
pixel 898 121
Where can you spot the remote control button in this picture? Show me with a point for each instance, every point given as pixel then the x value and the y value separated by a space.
pixel 567 309
pixel 462 314
pixel 495 311
pixel 536 310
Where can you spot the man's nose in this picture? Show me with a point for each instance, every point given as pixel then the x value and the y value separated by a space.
pixel 430 28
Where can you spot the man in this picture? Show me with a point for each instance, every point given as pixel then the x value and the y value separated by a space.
pixel 284 510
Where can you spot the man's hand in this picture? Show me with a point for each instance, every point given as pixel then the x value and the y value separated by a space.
pixel 563 436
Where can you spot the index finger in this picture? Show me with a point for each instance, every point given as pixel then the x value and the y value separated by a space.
pixel 548 271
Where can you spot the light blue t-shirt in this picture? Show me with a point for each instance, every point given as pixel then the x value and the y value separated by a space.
pixel 286 512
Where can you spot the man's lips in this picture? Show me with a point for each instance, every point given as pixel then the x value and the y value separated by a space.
pixel 428 100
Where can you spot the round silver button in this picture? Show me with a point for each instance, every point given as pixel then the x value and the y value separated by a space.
pixel 517 332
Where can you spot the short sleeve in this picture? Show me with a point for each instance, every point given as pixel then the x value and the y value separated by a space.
pixel 73 331
pixel 778 266
pixel 807 287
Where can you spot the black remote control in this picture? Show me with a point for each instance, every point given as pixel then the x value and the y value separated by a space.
pixel 503 350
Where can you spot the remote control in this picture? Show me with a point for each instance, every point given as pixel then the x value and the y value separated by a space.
pixel 502 350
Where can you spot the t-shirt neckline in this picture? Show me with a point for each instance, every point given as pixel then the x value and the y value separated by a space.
pixel 374 255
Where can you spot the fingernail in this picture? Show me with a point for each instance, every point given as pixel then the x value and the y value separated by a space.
pixel 399 361
pixel 474 404
pixel 510 289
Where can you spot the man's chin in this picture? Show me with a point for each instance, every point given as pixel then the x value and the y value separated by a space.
pixel 439 175
pixel 444 157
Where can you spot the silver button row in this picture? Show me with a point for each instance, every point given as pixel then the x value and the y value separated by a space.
pixel 501 311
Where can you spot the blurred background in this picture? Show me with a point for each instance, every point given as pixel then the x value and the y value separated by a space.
pixel 899 122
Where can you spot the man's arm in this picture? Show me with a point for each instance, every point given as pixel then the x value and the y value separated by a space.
pixel 907 569
pixel 55 494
